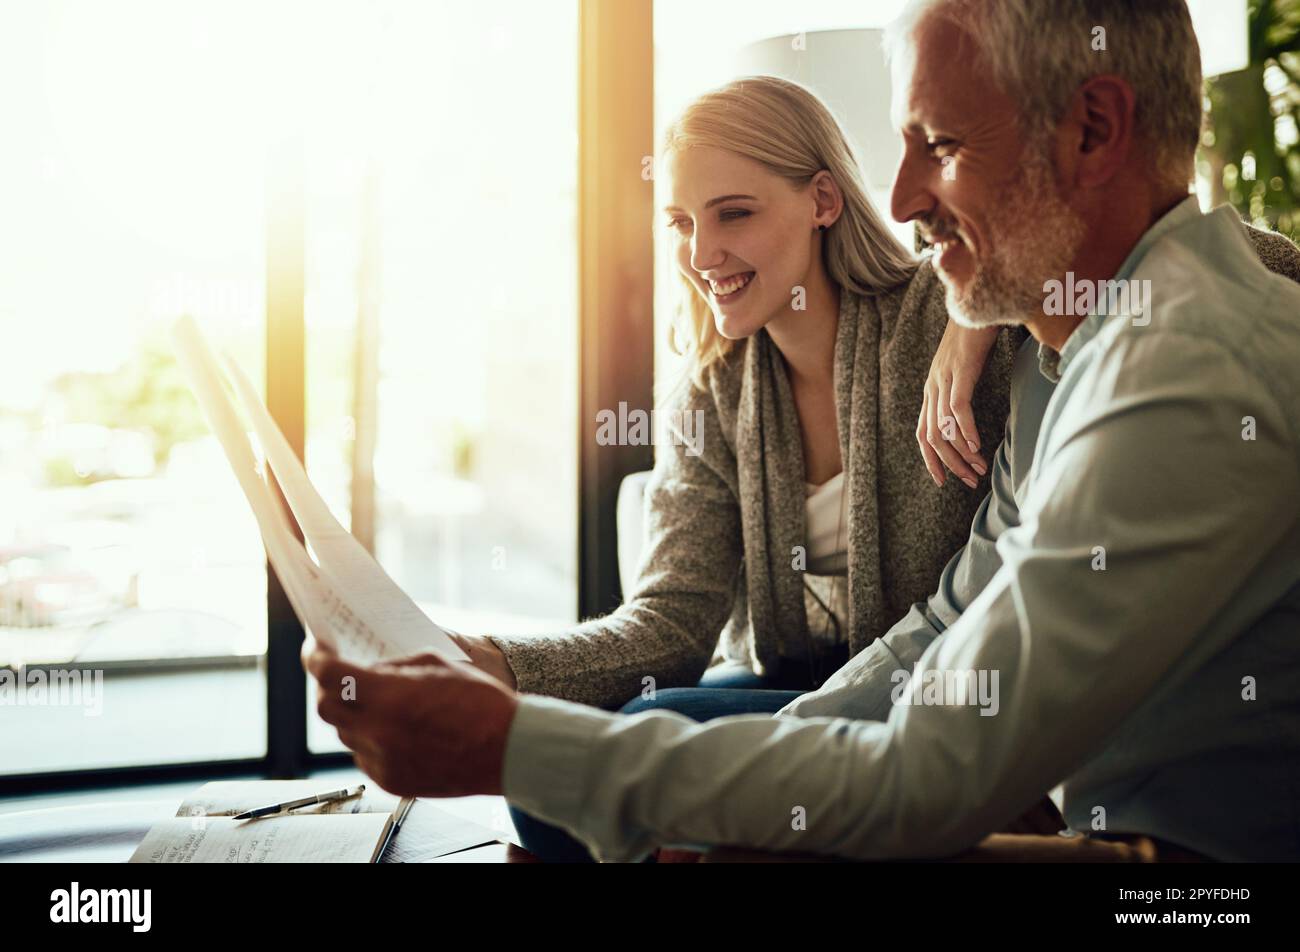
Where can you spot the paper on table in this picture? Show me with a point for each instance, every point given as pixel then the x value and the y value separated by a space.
pixel 348 601
pixel 314 838
pixel 428 833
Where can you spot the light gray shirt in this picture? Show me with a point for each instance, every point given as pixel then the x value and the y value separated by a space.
pixel 1135 588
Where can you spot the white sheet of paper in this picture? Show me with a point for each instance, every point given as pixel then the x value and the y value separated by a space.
pixel 379 602
pixel 428 833
pixel 347 601
pixel 287 555
pixel 345 838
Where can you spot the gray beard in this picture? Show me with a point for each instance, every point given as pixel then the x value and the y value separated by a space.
pixel 1035 236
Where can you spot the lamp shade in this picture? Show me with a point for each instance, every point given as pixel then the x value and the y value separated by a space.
pixel 846 69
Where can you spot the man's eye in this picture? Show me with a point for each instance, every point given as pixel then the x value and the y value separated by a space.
pixel 941 148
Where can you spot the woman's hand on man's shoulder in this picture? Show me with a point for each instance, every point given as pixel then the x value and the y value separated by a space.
pixel 946 431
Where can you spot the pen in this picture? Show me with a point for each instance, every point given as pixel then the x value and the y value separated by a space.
pixel 347 793
pixel 398 818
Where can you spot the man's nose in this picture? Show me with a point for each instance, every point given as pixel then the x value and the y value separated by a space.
pixel 910 197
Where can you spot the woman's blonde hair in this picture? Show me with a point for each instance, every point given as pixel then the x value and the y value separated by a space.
pixel 787 129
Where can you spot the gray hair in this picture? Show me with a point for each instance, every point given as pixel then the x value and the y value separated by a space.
pixel 1039 52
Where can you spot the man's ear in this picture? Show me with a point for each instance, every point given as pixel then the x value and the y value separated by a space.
pixel 828 200
pixel 1102 115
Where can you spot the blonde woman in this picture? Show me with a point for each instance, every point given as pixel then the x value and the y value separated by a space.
pixel 800 522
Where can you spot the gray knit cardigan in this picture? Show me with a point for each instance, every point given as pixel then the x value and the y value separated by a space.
pixel 723 524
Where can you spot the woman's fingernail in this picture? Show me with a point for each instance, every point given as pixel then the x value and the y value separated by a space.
pixel 969 482
pixel 979 467
pixel 973 447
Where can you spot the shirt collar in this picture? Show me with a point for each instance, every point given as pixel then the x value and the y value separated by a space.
pixel 1052 364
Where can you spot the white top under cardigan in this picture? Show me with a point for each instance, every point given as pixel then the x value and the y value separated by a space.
pixel 826 543
pixel 827 527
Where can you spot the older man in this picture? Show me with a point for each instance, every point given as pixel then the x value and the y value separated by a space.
pixel 1137 566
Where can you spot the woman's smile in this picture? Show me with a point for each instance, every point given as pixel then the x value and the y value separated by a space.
pixel 730 289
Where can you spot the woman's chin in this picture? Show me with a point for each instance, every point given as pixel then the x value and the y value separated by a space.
pixel 736 326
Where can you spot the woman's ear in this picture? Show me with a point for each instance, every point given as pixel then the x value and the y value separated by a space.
pixel 828 200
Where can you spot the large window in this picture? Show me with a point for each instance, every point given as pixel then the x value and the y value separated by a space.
pixel 442 311
pixel 144 145
pixel 132 579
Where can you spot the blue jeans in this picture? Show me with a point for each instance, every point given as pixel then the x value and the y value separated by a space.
pixel 722 691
